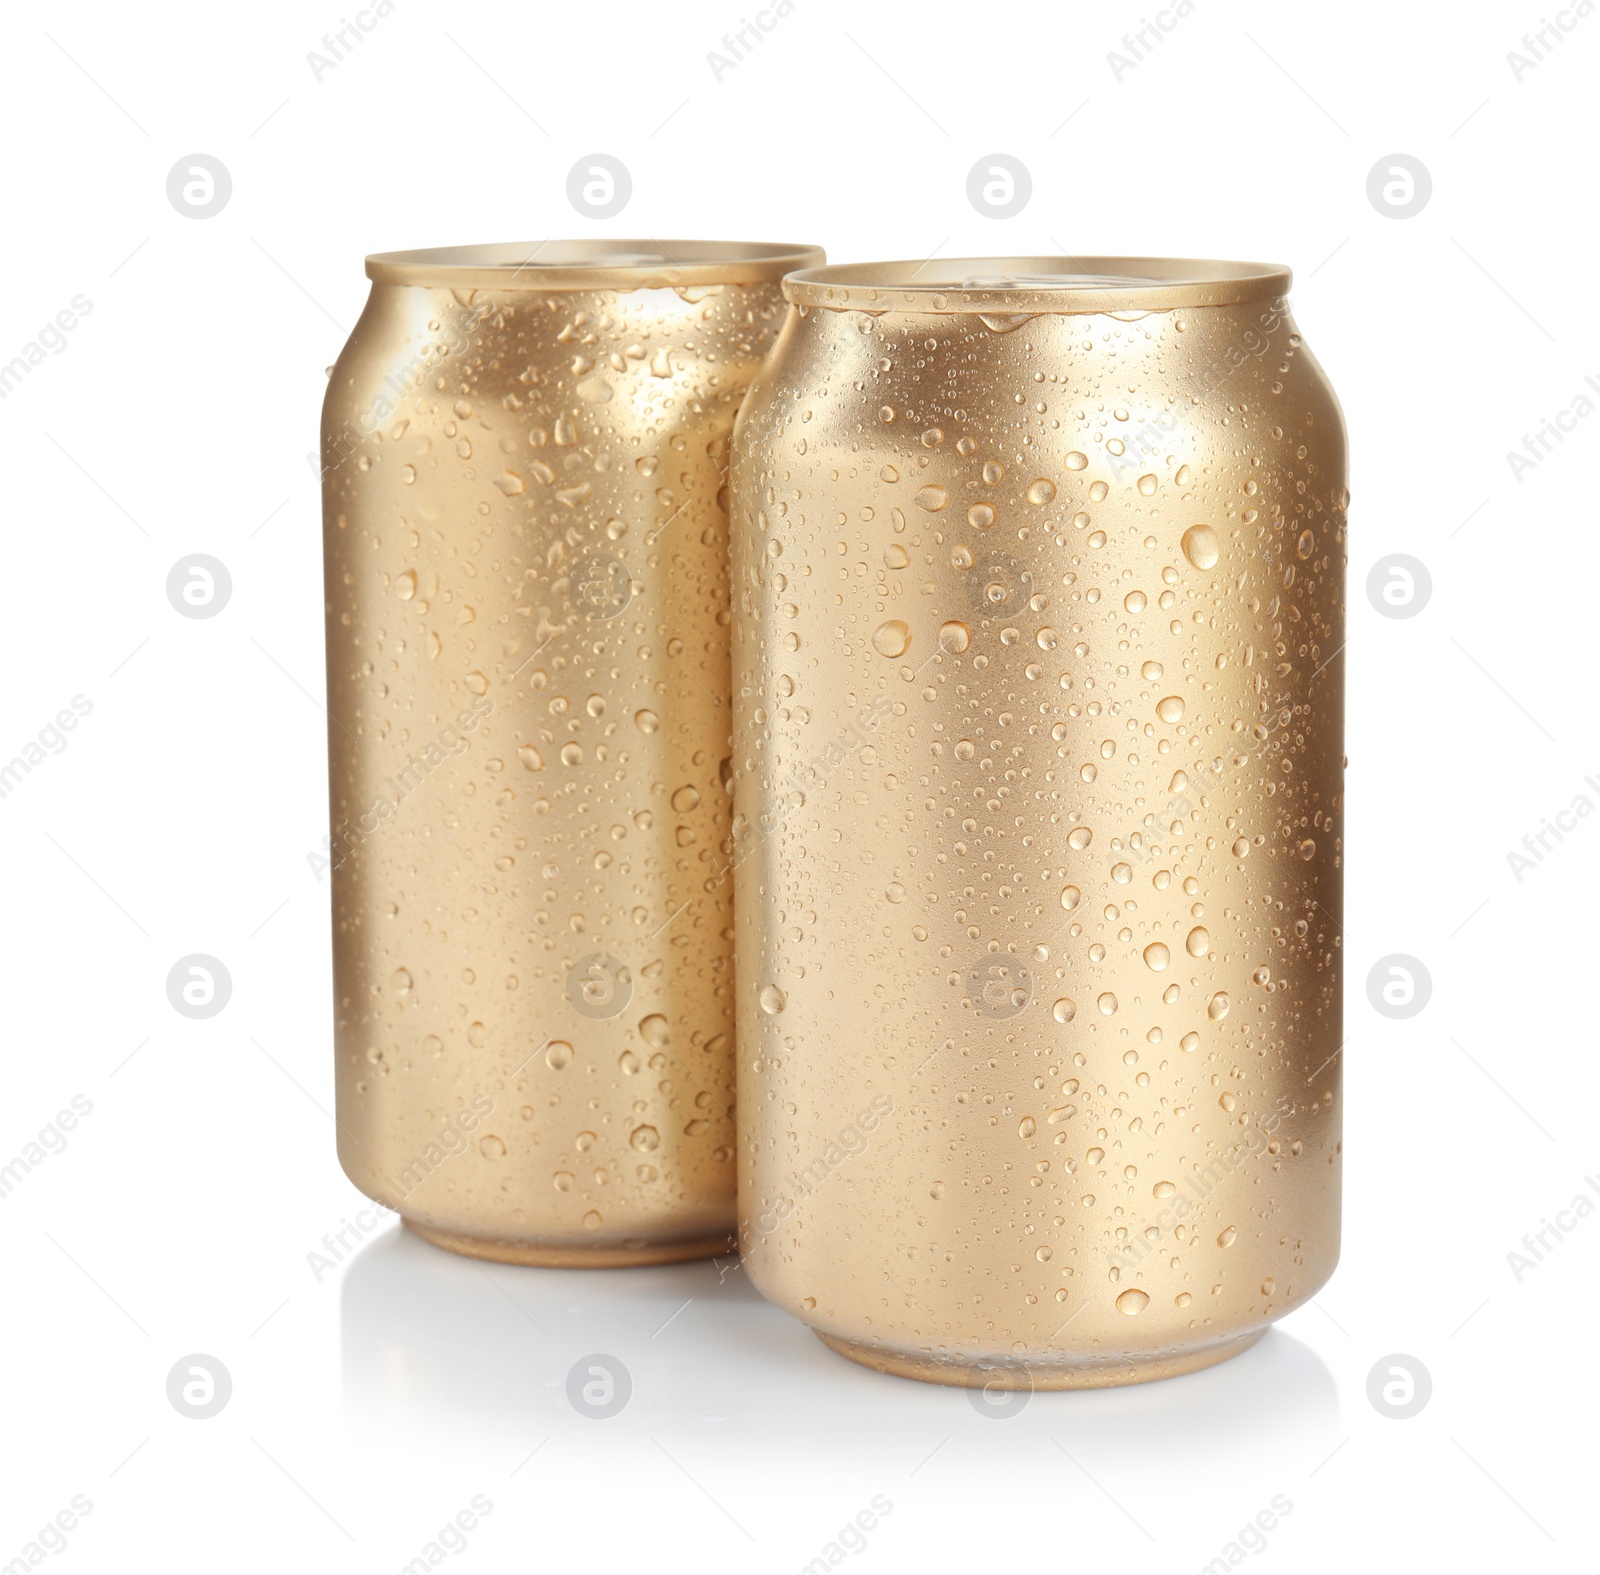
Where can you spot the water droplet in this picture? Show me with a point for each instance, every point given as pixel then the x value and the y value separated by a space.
pixel 1135 601
pixel 1064 1010
pixel 405 585
pixel 558 1054
pixel 686 798
pixel 772 1000
pixel 1156 956
pixel 1218 1007
pixel 1147 486
pixel 510 483
pixel 646 721
pixel 400 981
pixel 1200 546
pixel 932 499
pixel 1163 1189
pixel 895 556
pixel 1170 709
pixel 1227 1237
pixel 531 758
pixel 645 1139
pixel 1199 941
pixel 1107 1004
pixel 1070 897
pixel 1027 1127
pixel 491 1147
pixel 1041 491
pixel 980 516
pixel 1241 847
pixel 955 636
pixel 1077 461
pixel 936 1191
pixel 653 1029
pixel 1133 1301
pixel 1307 849
pixel 891 638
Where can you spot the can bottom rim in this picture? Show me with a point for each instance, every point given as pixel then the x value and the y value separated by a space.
pixel 1014 1374
pixel 562 1255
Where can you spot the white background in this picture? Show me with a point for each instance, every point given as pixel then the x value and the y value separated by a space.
pixel 371 1405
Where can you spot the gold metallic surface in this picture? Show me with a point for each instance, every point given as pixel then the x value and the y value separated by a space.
pixel 527 618
pixel 1038 749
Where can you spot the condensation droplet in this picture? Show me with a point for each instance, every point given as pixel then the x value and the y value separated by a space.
pixel 891 638
pixel 1200 546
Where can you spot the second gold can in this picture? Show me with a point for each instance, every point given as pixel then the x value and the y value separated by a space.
pixel 1039 586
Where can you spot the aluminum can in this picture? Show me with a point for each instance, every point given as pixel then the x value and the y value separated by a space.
pixel 1039 611
pixel 524 460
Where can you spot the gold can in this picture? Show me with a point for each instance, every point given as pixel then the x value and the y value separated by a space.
pixel 1039 604
pixel 525 531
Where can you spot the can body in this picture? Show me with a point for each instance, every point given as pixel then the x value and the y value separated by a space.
pixel 1038 745
pixel 527 625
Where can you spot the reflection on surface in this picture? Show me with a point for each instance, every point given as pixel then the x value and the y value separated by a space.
pixel 433 1341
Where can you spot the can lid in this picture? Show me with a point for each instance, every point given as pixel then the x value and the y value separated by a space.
pixel 597 264
pixel 1015 286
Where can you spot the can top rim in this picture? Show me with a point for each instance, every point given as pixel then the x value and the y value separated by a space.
pixel 599 263
pixel 1013 285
